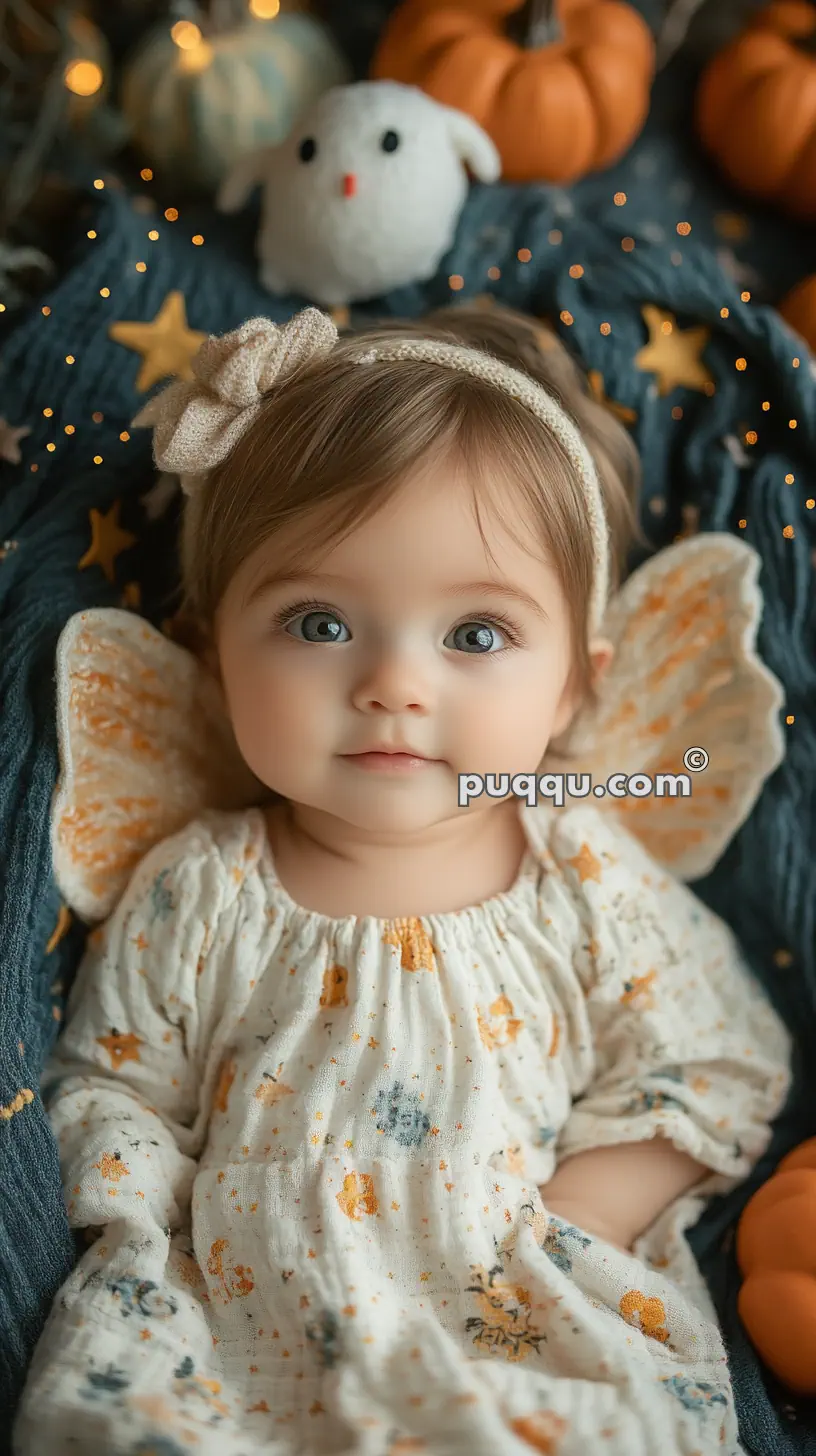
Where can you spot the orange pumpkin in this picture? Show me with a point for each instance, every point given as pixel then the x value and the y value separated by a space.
pixel 798 309
pixel 756 108
pixel 776 1251
pixel 569 100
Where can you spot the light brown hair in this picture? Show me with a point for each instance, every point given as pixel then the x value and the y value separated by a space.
pixel 335 440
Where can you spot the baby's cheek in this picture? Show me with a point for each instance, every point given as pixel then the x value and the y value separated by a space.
pixel 508 733
pixel 273 720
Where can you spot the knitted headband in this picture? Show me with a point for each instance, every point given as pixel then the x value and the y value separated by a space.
pixel 198 424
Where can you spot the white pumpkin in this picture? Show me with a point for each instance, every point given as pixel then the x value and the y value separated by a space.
pixel 194 110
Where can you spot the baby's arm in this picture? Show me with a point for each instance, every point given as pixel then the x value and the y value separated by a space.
pixel 680 1063
pixel 124 1088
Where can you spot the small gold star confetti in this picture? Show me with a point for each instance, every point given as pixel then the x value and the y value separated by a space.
pixel 166 344
pixel 10 437
pixel 673 354
pixel 621 412
pixel 108 539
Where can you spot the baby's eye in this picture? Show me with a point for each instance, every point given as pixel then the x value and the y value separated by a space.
pixel 318 627
pixel 477 638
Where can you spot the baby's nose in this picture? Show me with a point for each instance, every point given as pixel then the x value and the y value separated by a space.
pixel 349 184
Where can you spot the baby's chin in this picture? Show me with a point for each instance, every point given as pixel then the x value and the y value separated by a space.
pixel 394 807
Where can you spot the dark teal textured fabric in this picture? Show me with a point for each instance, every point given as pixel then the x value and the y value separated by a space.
pixel 765 886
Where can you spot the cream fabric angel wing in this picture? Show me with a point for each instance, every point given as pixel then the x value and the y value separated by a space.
pixel 685 675
pixel 144 745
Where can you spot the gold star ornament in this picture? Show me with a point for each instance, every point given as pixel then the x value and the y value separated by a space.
pixel 167 345
pixel 108 539
pixel 674 355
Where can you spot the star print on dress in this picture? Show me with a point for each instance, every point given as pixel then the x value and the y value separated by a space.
pixel 10 437
pixel 673 354
pixel 121 1047
pixel 586 865
pixel 167 345
pixel 108 540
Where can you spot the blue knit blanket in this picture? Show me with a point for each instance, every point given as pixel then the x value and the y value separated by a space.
pixel 738 455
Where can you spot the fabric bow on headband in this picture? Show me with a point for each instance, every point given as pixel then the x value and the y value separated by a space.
pixel 198 424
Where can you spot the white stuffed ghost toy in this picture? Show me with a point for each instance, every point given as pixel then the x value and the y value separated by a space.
pixel 365 193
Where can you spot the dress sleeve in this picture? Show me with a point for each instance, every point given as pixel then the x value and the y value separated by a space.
pixel 675 1037
pixel 122 1090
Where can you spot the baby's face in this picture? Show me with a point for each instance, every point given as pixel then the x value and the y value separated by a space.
pixel 405 634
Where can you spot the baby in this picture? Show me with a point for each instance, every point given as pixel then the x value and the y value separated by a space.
pixel 386 1116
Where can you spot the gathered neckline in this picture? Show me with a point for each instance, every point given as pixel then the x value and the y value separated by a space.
pixel 496 907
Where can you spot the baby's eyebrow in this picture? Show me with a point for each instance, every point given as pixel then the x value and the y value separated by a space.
pixel 459 589
pixel 273 579
pixel 497 589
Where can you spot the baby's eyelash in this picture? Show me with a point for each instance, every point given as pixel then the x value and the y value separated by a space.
pixel 285 615
pixel 288 614
pixel 498 619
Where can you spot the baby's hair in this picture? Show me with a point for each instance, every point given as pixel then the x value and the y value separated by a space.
pixel 335 440
pixel 529 344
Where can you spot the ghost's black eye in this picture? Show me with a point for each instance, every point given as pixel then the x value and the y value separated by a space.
pixel 307 149
pixel 389 141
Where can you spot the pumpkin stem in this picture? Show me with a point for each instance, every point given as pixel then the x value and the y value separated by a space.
pixel 537 23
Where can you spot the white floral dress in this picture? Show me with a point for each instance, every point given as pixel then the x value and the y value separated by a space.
pixel 311 1151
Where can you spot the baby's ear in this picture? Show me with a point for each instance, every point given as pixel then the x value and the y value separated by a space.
pixel 601 656
pixel 473 145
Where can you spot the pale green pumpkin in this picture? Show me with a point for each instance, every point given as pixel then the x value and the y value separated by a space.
pixel 193 112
